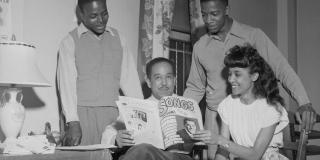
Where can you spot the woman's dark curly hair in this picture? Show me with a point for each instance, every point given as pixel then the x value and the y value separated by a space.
pixel 266 86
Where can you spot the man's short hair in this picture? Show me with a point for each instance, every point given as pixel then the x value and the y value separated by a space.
pixel 156 61
pixel 225 2
pixel 188 120
pixel 81 3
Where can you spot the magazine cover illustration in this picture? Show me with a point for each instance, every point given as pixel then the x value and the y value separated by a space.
pixel 179 116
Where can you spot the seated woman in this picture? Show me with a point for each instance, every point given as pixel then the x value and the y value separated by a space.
pixel 253 114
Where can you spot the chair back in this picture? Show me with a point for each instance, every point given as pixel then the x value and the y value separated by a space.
pixel 299 141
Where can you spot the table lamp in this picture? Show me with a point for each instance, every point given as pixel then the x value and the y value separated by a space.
pixel 18 69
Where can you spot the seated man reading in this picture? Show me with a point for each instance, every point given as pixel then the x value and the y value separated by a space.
pixel 161 79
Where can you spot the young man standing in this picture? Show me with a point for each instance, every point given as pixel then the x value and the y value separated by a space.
pixel 93 64
pixel 208 77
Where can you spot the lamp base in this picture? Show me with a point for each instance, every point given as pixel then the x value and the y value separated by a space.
pixel 12 112
pixel 10 140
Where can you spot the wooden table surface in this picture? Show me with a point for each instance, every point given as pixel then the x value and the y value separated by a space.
pixel 58 155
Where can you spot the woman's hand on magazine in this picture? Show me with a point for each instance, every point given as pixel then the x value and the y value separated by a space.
pixel 124 138
pixel 205 136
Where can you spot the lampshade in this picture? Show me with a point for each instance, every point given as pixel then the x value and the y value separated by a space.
pixel 18 66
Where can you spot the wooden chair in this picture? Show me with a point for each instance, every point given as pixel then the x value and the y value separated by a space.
pixel 299 142
pixel 197 152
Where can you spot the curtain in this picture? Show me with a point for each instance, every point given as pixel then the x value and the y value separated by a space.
pixel 197 26
pixel 155 27
pixel 11 19
pixel 5 20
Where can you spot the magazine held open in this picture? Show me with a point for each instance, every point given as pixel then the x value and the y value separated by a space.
pixel 166 124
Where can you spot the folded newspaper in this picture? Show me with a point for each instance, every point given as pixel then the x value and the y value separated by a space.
pixel 167 124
